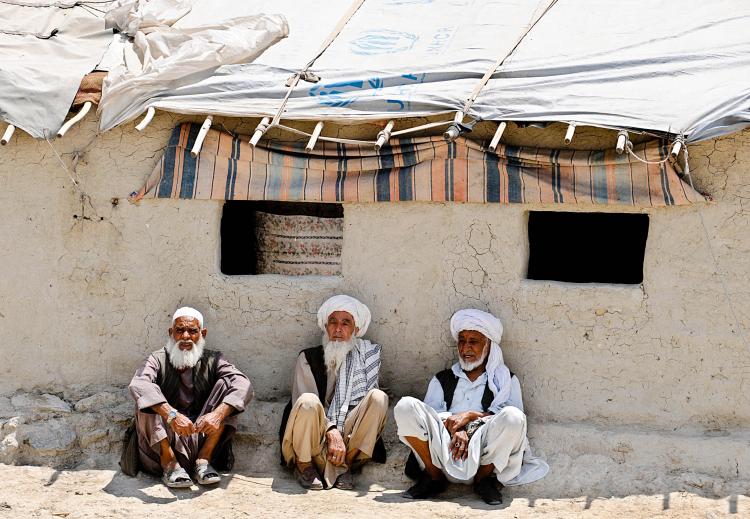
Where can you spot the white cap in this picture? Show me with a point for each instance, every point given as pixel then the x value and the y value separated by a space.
pixel 186 311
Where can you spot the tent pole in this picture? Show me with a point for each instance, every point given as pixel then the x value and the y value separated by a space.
pixel 314 137
pixel 77 117
pixel 384 135
pixel 201 136
pixel 8 134
pixel 498 135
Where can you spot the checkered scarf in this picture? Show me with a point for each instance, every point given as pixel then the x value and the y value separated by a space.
pixel 356 376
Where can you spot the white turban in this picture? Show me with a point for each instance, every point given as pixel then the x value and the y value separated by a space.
pixel 498 374
pixel 186 311
pixel 342 303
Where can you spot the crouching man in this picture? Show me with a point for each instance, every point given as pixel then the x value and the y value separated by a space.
pixel 471 426
pixel 333 423
pixel 187 400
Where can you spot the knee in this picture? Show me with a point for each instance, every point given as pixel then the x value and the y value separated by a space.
pixel 308 402
pixel 510 418
pixel 378 398
pixel 404 409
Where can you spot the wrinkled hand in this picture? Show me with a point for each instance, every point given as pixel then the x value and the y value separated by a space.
pixel 182 425
pixel 460 445
pixel 335 446
pixel 209 423
pixel 457 422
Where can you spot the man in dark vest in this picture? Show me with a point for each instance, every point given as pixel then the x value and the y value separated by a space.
pixel 471 427
pixel 187 400
pixel 333 423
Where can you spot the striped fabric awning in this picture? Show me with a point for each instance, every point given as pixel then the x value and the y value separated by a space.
pixel 411 169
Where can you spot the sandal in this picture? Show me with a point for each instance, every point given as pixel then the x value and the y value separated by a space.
pixel 176 478
pixel 205 474
pixel 345 481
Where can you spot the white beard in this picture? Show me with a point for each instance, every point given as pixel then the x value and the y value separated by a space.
pixel 335 353
pixel 469 366
pixel 182 359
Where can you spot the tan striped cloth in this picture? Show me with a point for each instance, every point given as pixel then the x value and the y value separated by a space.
pixel 411 169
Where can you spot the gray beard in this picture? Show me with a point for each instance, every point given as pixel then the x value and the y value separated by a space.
pixel 335 353
pixel 470 366
pixel 182 359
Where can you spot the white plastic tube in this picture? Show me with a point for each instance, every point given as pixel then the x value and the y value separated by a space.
pixel 384 135
pixel 676 148
pixel 453 131
pixel 149 115
pixel 314 137
pixel 622 139
pixel 77 117
pixel 569 134
pixel 201 136
pixel 498 135
pixel 7 135
pixel 259 131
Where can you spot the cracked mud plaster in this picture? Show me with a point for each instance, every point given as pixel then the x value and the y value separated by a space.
pixel 667 354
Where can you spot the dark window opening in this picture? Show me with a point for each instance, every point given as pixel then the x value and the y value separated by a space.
pixel 294 238
pixel 587 247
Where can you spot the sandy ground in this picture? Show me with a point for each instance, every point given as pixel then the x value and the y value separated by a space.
pixel 45 492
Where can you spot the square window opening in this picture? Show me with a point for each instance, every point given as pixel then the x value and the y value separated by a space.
pixel 587 247
pixel 288 238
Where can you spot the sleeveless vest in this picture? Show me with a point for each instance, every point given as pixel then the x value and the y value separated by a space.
pixel 316 359
pixel 204 379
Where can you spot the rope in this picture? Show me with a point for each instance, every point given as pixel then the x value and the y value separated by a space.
pixel 76 184
pixel 723 282
pixel 303 74
pixel 687 166
pixel 405 131
pixel 473 97
pixel 629 147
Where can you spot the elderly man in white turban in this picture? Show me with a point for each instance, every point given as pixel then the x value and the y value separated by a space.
pixel 187 400
pixel 471 426
pixel 333 422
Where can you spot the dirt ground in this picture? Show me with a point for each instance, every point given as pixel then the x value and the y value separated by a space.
pixel 46 493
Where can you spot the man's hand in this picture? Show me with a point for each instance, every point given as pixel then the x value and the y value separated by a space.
pixel 458 421
pixel 209 423
pixel 182 425
pixel 335 446
pixel 460 445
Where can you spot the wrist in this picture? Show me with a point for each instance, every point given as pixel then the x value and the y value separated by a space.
pixel 171 415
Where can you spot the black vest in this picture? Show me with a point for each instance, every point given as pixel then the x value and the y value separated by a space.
pixel 204 379
pixel 316 359
pixel 448 381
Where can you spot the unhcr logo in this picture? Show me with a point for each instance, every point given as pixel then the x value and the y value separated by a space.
pixel 383 41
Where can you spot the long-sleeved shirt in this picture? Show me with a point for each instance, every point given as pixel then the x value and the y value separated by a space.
pixel 147 393
pixel 468 394
pixel 304 382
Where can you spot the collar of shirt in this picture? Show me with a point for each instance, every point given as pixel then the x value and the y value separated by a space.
pixel 481 379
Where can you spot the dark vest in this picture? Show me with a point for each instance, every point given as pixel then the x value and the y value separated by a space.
pixel 204 379
pixel 316 359
pixel 448 381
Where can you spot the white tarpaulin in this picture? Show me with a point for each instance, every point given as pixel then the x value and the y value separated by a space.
pixel 45 50
pixel 678 67
pixel 164 57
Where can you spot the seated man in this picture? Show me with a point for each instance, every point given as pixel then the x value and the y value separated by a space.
pixel 187 399
pixel 471 426
pixel 334 420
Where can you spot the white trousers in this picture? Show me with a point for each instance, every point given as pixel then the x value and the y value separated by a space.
pixel 500 441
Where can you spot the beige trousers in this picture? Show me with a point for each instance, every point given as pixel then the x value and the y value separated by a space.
pixel 304 436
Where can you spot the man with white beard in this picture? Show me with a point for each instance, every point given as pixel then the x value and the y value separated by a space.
pixel 187 400
pixel 332 424
pixel 471 427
